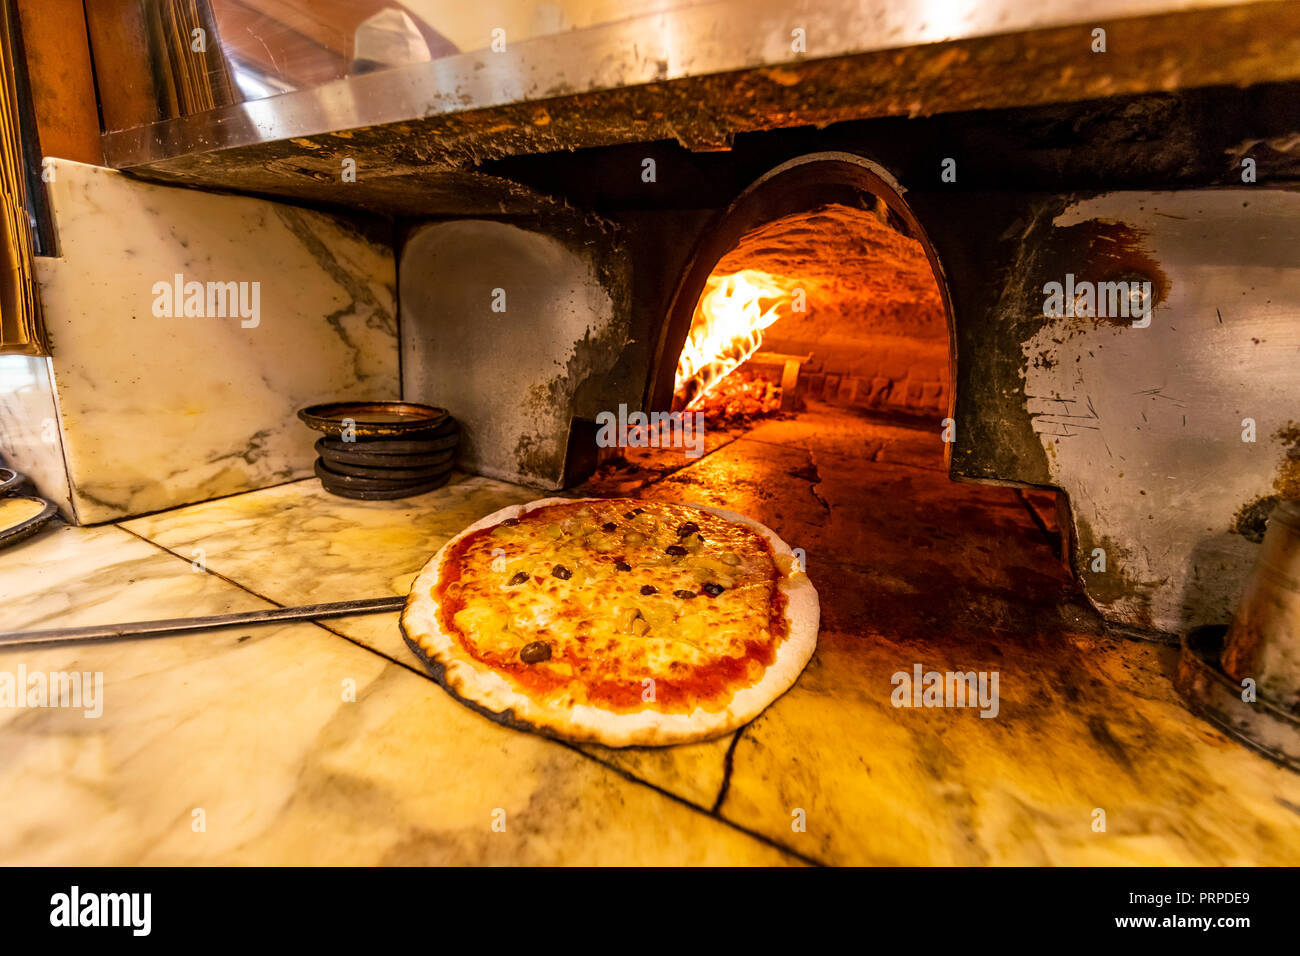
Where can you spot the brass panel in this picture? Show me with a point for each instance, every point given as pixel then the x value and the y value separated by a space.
pixel 57 53
pixel 20 330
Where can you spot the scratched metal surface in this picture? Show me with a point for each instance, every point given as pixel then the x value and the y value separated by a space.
pixel 441 59
pixel 1173 441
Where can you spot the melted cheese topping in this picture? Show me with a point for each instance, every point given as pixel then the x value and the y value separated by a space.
pixel 639 604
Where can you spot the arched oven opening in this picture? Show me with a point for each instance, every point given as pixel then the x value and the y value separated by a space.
pixel 794 224
pixel 828 300
pixel 808 359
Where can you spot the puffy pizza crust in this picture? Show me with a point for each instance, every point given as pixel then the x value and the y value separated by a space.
pixel 489 692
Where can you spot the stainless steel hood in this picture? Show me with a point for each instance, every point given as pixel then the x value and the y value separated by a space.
pixel 440 97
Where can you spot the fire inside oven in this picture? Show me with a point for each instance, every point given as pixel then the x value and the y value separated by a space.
pixel 831 306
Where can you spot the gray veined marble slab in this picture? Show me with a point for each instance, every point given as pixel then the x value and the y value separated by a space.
pixel 157 410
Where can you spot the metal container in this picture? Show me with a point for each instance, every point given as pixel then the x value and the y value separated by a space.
pixel 1264 643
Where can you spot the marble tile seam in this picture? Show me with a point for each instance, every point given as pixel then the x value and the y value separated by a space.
pixel 274 603
pixel 712 813
pixel 727 764
pixel 815 479
pixel 121 522
pixel 63 443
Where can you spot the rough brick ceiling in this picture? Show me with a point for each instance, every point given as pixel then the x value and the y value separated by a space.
pixel 862 277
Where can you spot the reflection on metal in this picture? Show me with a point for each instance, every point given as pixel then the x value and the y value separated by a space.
pixel 185 625
pixel 1219 698
pixel 20 326
pixel 631 48
pixel 388 39
pixel 191 71
pixel 1264 644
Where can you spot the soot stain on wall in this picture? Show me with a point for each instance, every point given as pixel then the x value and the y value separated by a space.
pixel 1252 517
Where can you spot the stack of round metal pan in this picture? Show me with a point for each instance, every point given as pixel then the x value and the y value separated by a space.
pixel 382 450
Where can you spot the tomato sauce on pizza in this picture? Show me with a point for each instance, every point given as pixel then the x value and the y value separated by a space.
pixel 619 604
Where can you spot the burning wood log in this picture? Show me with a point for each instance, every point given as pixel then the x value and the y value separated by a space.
pixel 790 365
pixel 727 329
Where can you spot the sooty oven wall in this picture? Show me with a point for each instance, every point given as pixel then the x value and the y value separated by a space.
pixel 1141 428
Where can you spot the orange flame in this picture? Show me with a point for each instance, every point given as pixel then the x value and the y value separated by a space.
pixel 727 329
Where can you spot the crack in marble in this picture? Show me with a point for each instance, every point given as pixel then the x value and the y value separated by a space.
pixel 713 813
pixel 814 478
pixel 726 771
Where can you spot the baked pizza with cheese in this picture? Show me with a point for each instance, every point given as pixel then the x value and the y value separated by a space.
pixel 614 620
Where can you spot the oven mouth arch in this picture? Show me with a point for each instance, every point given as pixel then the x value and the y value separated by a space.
pixel 795 186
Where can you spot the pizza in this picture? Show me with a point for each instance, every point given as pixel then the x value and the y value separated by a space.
pixel 614 620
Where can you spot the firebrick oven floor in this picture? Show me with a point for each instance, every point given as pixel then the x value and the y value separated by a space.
pixel 327 743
